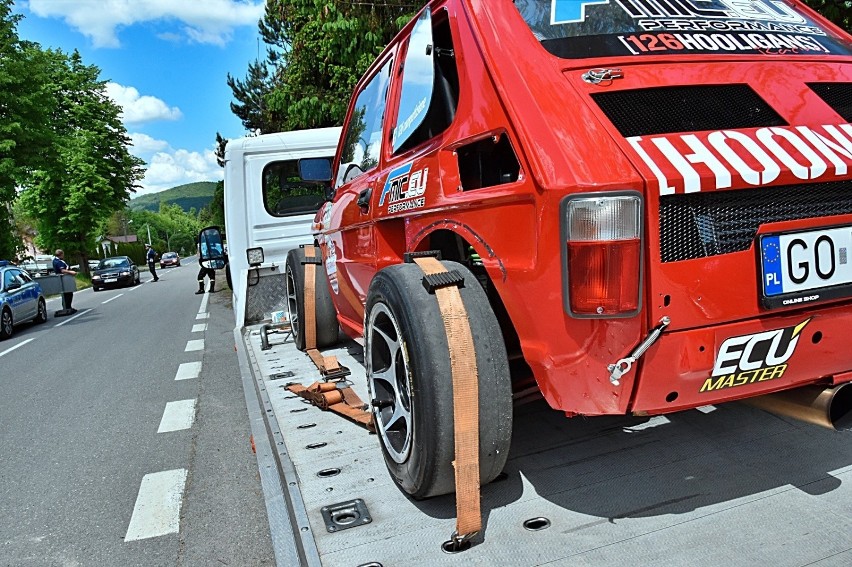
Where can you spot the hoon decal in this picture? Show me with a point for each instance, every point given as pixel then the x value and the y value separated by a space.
pixel 753 358
pixel 706 161
pixel 404 190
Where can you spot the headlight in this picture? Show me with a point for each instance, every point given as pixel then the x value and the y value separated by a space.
pixel 125 273
pixel 96 277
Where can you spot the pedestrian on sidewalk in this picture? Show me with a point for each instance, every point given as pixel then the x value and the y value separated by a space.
pixel 60 267
pixel 151 256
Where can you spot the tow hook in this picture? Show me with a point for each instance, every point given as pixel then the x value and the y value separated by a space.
pixel 624 365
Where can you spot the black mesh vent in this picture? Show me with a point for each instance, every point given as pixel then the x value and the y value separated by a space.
pixel 666 110
pixel 698 225
pixel 836 95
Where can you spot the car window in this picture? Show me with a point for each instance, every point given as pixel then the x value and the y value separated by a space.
pixel 364 132
pixel 24 277
pixel 8 278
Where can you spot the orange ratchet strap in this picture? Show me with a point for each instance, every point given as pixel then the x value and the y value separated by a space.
pixel 465 397
pixel 326 395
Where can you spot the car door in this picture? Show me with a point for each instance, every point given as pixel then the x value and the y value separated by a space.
pixel 14 296
pixel 351 249
pixel 30 293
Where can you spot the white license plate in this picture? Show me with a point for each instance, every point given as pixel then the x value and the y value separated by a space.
pixel 110 280
pixel 801 262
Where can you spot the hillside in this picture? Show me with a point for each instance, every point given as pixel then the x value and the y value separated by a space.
pixel 191 195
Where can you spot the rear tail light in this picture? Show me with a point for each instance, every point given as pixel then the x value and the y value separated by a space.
pixel 603 255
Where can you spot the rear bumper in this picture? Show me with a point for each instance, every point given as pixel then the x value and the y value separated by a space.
pixel 692 368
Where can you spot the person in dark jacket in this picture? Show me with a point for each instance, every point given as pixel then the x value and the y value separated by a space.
pixel 151 258
pixel 60 267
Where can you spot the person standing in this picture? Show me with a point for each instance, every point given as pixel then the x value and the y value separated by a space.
pixel 205 271
pixel 151 258
pixel 60 267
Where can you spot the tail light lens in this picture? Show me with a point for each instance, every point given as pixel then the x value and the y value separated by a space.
pixel 603 255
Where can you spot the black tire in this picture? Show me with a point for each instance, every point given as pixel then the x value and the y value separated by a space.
pixel 41 316
pixel 326 316
pixel 409 374
pixel 95 288
pixel 6 324
pixel 227 275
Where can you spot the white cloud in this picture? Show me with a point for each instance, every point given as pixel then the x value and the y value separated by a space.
pixel 169 168
pixel 144 144
pixel 138 109
pixel 208 21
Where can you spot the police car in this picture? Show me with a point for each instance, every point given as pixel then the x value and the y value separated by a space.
pixel 21 299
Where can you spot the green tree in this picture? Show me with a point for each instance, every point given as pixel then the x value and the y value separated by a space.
pixel 88 171
pixel 25 107
pixel 317 50
pixel 838 11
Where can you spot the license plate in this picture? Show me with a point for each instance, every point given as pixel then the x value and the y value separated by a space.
pixel 110 280
pixel 800 267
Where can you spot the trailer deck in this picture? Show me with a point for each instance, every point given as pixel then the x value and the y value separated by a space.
pixel 727 485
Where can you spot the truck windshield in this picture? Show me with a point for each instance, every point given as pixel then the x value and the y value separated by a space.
pixel 575 29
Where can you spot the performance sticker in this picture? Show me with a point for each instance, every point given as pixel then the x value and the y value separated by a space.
pixel 588 28
pixel 404 190
pixel 720 159
pixel 758 357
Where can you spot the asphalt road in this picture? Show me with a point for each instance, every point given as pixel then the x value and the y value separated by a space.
pixel 123 446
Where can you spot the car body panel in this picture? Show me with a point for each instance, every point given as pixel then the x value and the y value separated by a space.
pixel 21 301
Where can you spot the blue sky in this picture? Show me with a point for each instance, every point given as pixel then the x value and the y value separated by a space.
pixel 166 63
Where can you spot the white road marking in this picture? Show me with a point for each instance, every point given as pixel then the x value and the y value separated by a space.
pixel 204 300
pixel 177 416
pixel 187 370
pixel 135 287
pixel 199 328
pixel 111 298
pixel 203 316
pixel 80 314
pixel 19 345
pixel 197 344
pixel 157 509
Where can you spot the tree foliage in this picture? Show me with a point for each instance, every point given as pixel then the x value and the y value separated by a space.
pixel 88 171
pixel 838 11
pixel 63 149
pixel 317 51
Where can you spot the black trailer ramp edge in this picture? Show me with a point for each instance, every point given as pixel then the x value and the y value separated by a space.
pixel 284 504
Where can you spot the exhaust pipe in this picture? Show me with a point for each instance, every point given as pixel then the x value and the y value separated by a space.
pixel 826 407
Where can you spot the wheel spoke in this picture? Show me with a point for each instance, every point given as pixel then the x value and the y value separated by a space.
pixel 399 414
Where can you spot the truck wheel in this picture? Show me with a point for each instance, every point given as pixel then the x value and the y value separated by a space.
pixel 409 375
pixel 41 316
pixel 326 317
pixel 227 275
pixel 6 324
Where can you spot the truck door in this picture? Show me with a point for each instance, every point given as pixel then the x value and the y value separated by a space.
pixel 353 245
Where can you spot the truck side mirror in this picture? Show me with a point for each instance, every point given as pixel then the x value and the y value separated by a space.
pixel 315 169
pixel 211 251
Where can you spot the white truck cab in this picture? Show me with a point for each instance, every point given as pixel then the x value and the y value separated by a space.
pixel 269 209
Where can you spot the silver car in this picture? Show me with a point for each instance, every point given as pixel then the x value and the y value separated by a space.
pixel 21 299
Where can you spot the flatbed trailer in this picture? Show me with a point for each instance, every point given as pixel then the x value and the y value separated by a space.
pixel 720 485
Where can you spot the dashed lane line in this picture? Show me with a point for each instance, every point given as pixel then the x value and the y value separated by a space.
pixel 188 371
pixel 197 344
pixel 200 328
pixel 111 298
pixel 157 509
pixel 203 316
pixel 19 345
pixel 204 300
pixel 177 416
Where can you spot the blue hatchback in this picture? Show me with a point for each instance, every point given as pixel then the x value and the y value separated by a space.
pixel 21 299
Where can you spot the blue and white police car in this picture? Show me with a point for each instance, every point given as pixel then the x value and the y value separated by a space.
pixel 21 299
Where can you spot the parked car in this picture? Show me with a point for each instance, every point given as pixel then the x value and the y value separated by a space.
pixel 169 259
pixel 42 265
pixel 21 299
pixel 118 271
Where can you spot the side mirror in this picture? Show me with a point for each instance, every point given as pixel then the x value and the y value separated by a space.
pixel 13 285
pixel 211 251
pixel 315 169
